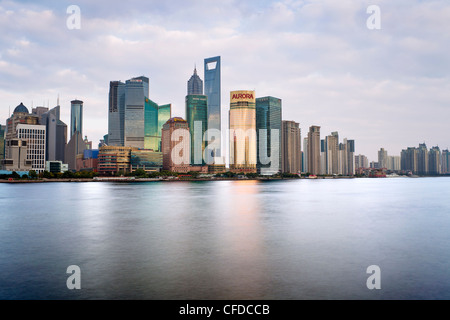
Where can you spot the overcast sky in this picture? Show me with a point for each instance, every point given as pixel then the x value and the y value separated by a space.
pixel 383 88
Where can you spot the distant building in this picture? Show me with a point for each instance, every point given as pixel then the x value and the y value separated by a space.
pixel 361 161
pixel 445 161
pixel 305 155
pixel 195 84
pixel 268 123
pixel 177 160
pixel 2 142
pixel 242 141
pixel 434 161
pixel 422 159
pixel 332 154
pixel 314 150
pixel 383 158
pixel 291 147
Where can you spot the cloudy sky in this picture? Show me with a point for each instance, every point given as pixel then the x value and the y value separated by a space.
pixel 384 88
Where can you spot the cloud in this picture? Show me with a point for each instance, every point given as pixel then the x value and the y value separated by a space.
pixel 383 88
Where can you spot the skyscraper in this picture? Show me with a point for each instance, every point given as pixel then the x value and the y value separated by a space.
pixel 136 92
pixel 361 161
pixel 434 161
pixel 155 117
pixel 197 119
pixel 314 150
pixel 212 91
pixel 195 84
pixel 422 159
pixel 35 137
pixel 291 147
pixel 242 132
pixel 179 160
pixel 382 158
pixel 76 117
pixel 332 153
pixel 445 161
pixel 2 142
pixel 268 123
pixel 116 113
pixel 56 132
pixel 305 155
pixel 351 157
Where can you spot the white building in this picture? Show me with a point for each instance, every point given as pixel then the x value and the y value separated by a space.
pixel 35 137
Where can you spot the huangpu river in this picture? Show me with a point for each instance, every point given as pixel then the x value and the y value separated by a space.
pixel 292 239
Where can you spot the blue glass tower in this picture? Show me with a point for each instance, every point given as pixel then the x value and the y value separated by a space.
pixel 212 91
pixel 76 117
pixel 268 117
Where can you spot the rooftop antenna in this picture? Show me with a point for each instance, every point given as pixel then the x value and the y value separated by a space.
pixel 57 102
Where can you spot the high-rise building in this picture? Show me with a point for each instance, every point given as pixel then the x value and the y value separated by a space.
pixel 332 153
pixel 197 119
pixel 305 155
pixel 76 117
pixel 351 157
pixel 314 150
pixel 195 84
pixel 213 92
pixel 343 161
pixel 445 161
pixel 2 142
pixel 422 159
pixel 56 132
pixel 155 117
pixel 361 161
pixel 242 131
pixel 177 160
pixel 268 133
pixel 39 111
pixel 383 158
pixel 136 92
pixel 291 147
pixel 116 114
pixel 74 147
pixel 434 161
pixel 410 160
pixel 35 137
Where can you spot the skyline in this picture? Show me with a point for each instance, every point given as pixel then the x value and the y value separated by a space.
pixel 384 88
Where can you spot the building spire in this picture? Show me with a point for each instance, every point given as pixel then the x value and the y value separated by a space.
pixel 195 69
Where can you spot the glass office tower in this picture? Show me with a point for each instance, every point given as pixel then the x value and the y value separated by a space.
pixel 116 114
pixel 197 119
pixel 155 117
pixel 76 117
pixel 136 91
pixel 268 118
pixel 212 91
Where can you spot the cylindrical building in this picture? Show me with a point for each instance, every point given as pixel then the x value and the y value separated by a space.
pixel 243 132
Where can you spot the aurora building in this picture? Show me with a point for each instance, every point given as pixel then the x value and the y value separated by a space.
pixel 242 132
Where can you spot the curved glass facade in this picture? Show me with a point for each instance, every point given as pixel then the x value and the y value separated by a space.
pixel 76 117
